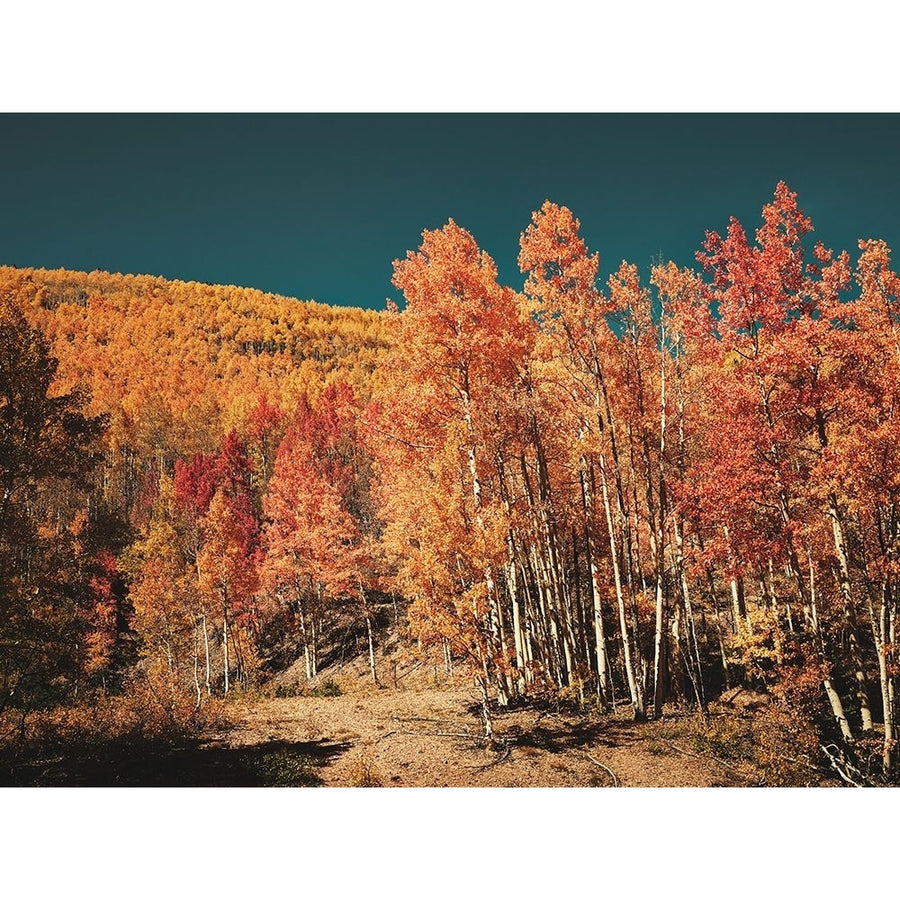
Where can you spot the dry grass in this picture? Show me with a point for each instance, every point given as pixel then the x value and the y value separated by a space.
pixel 363 773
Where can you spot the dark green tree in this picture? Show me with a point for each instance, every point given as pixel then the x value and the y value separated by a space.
pixel 48 449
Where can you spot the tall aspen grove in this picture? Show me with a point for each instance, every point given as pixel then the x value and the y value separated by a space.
pixel 669 499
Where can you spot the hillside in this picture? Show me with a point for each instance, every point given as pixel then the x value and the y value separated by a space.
pixel 179 363
pixel 140 415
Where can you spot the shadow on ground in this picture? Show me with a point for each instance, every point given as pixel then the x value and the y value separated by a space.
pixel 557 737
pixel 271 764
pixel 558 728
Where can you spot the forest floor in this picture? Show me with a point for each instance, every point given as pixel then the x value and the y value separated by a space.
pixel 425 737
pixel 419 727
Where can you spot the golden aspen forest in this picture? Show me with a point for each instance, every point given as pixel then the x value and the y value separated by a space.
pixel 635 531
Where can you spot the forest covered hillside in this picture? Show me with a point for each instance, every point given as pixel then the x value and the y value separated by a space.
pixel 139 416
pixel 182 362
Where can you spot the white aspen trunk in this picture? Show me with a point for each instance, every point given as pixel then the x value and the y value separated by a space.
pixel 886 692
pixel 587 499
pixel 658 649
pixel 603 682
pixel 522 659
pixel 695 666
pixel 837 707
pixel 738 605
pixel 240 666
pixel 675 629
pixel 314 615
pixel 882 629
pixel 840 546
pixel 659 542
pixel 225 642
pixel 483 681
pixel 641 670
pixel 197 664
pixel 371 648
pixel 505 685
pixel 890 718
pixel 313 644
pixel 552 656
pixel 306 652
pixel 527 621
pixel 206 649
pixel 549 580
pixel 636 697
pixel 368 616
pixel 714 600
pixel 493 619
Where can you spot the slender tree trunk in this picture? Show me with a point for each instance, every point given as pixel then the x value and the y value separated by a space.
pixel 637 699
pixel 197 664
pixel 837 707
pixel 206 649
pixel 738 601
pixel 890 724
pixel 493 619
pixel 305 635
pixel 483 681
pixel 587 501
pixel 225 640
pixel 883 632
pixel 840 546
pixel 512 581
pixel 692 660
pixel 656 519
pixel 371 648
pixel 658 649
pixel 713 597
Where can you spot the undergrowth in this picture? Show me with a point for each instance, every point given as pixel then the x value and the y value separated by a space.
pixel 286 768
pixel 150 711
pixel 329 688
pixel 363 773
pixel 779 744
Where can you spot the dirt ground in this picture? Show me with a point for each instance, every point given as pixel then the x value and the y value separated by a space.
pixel 419 727
pixel 431 738
pixel 424 729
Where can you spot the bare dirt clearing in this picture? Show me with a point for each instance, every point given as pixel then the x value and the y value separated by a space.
pixel 423 730
pixel 427 732
pixel 431 738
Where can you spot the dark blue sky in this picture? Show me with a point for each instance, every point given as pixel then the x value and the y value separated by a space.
pixel 318 206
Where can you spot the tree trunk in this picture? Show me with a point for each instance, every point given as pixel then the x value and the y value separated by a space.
pixel 692 660
pixel 197 664
pixel 840 546
pixel 483 681
pixel 837 706
pixel 225 642
pixel 206 648
pixel 883 632
pixel 637 699
pixel 493 618
pixel 587 500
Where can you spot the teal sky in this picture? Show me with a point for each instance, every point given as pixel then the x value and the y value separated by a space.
pixel 318 206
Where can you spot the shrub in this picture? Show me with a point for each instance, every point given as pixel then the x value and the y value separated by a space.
pixel 364 773
pixel 287 768
pixel 328 688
